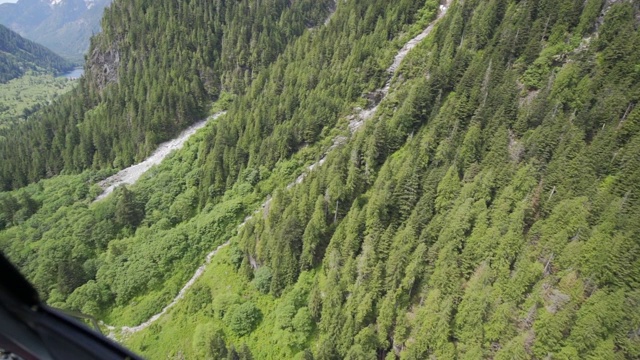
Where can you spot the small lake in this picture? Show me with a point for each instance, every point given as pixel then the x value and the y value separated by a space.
pixel 73 75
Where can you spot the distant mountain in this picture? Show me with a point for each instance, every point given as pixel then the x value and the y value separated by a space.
pixel 64 26
pixel 17 55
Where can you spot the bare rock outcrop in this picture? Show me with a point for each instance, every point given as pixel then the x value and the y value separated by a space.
pixel 103 66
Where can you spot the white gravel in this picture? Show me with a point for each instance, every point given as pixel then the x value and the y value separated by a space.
pixel 126 330
pixel 131 174
pixel 365 114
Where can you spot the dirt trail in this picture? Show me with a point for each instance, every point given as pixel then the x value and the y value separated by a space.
pixel 378 95
pixel 418 39
pixel 131 174
pixel 359 118
pixel 126 330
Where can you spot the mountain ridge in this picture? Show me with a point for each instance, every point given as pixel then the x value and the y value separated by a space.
pixel 65 26
pixel 19 55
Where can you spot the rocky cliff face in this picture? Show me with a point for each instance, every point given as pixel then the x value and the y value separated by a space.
pixel 102 66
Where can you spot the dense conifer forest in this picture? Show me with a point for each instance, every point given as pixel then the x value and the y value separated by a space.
pixel 149 75
pixel 487 209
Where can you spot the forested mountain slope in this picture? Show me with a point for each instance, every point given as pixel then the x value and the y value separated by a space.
pixel 487 209
pixel 18 55
pixel 149 75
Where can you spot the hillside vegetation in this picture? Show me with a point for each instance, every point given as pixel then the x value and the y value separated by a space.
pixel 149 75
pixel 19 55
pixel 488 208
pixel 23 96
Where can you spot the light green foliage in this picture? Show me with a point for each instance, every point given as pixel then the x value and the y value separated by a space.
pixel 262 279
pixel 537 74
pixel 208 342
pixel 472 311
pixel 284 315
pixel 243 318
pixel 431 335
pixel 23 96
pixel 549 329
pixel 89 298
pixel 570 88
pixel 314 235
pixel 303 322
pixel 471 146
pixel 514 350
pixel 567 222
pixel 596 320
pixel 447 189
pixel 184 206
pixel 223 302
pixel 198 298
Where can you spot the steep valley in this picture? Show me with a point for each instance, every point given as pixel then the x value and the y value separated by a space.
pixel 392 180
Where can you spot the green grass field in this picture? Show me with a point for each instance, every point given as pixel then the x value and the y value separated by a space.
pixel 21 97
